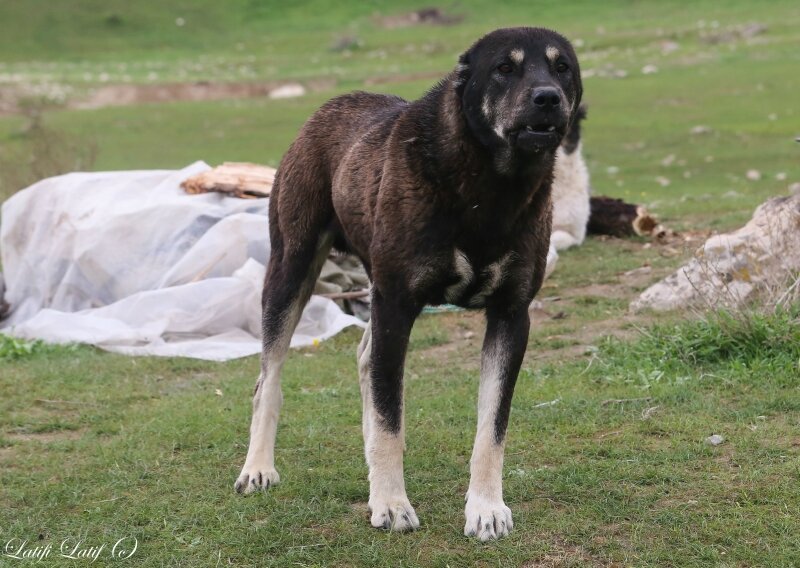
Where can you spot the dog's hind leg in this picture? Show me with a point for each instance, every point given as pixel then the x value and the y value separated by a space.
pixel 487 516
pixel 380 365
pixel 362 356
pixel 294 266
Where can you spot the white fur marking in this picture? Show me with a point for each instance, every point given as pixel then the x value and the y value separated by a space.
pixel 465 274
pixel 259 471
pixel 487 516
pixel 493 275
pixel 363 355
pixel 388 501
pixel 552 53
pixel 486 108
pixel 384 452
pixel 501 115
pixel 517 56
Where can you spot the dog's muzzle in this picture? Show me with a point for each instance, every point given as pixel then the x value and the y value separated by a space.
pixel 538 134
pixel 544 124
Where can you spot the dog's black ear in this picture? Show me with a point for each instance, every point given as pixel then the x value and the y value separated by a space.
pixel 462 71
pixel 583 111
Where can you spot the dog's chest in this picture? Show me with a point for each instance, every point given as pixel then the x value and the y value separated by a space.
pixel 469 285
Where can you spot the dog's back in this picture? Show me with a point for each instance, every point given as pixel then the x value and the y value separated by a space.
pixel 317 154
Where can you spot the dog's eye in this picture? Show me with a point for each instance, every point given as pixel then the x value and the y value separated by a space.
pixel 561 67
pixel 505 68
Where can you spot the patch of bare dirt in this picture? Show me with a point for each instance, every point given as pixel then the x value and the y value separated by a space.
pixel 563 553
pixel 361 509
pixel 422 16
pixel 465 335
pixel 46 437
pixel 122 95
pixel 13 98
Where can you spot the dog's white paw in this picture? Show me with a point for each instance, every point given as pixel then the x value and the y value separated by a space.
pixel 393 514
pixel 487 519
pixel 255 478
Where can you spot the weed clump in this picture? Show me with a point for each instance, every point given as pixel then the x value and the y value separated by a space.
pixel 752 342
pixel 12 348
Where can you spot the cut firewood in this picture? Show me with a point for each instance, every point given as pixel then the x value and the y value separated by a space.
pixel 237 179
pixel 354 295
pixel 614 217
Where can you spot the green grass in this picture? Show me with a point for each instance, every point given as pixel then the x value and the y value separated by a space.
pixel 105 446
pixel 99 446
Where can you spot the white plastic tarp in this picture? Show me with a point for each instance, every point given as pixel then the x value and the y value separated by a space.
pixel 129 262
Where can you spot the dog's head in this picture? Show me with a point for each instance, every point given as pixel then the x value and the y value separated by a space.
pixel 520 90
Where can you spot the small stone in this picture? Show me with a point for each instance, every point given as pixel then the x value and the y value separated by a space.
pixel 753 175
pixel 287 91
pixel 700 129
pixel 715 440
pixel 780 176
pixel 649 69
pixel 668 47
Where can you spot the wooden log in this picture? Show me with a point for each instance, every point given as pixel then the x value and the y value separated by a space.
pixel 238 179
pixel 614 217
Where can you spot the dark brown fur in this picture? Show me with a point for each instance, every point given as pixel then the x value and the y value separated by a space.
pixel 404 185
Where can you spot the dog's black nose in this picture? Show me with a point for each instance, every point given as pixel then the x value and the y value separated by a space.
pixel 546 97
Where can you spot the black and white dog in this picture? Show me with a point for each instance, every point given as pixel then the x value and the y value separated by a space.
pixel 444 199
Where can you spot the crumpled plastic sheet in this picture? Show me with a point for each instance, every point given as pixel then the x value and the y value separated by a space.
pixel 129 262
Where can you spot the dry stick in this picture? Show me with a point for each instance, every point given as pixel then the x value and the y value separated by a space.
pixel 624 400
pixel 648 412
pixel 591 360
pixel 46 401
pixel 346 295
pixel 788 292
pixel 614 433
pixel 542 404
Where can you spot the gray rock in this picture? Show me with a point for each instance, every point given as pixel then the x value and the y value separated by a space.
pixel 729 269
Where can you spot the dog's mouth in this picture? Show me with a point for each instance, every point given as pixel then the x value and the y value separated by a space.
pixel 539 135
pixel 539 128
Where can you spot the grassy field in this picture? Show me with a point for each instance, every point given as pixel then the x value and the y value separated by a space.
pixel 617 472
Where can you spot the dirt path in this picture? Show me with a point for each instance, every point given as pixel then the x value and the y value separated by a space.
pixel 14 98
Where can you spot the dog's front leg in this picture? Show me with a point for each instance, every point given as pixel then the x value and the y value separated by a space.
pixel 381 361
pixel 487 516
